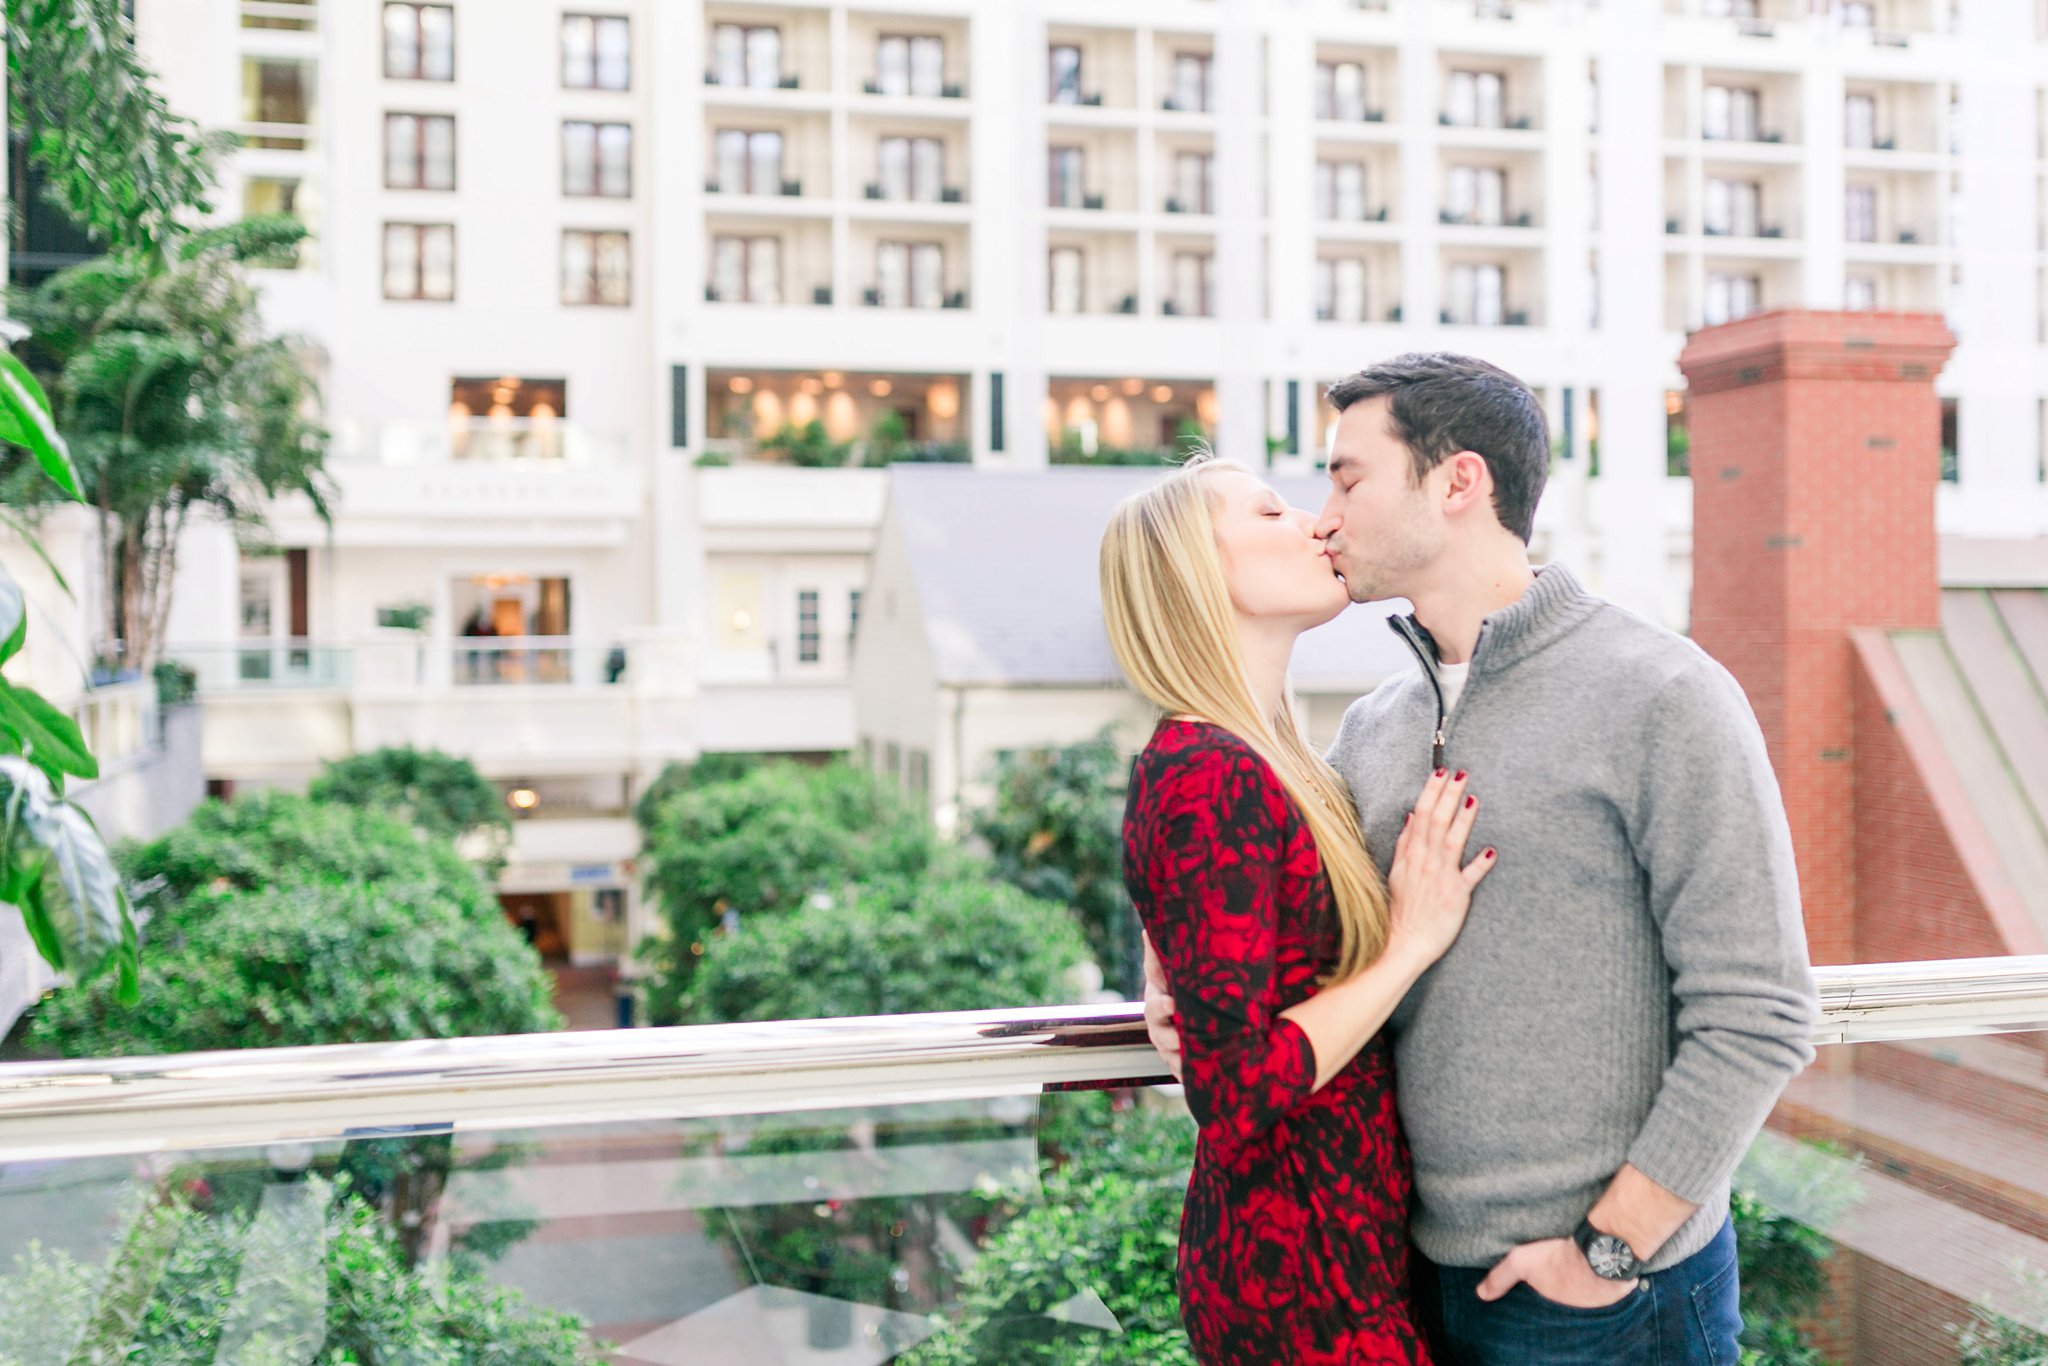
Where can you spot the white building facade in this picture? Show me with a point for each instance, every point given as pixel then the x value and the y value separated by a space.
pixel 612 300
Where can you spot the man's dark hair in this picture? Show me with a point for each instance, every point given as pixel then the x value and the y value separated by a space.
pixel 1442 403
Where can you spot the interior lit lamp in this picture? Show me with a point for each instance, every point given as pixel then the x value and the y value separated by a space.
pixel 742 619
pixel 833 379
pixel 1162 393
pixel 524 798
pixel 1100 393
pixel 810 385
pixel 1133 387
pixel 943 399
pixel 740 384
pixel 881 388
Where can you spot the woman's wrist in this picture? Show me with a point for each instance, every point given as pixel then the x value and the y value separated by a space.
pixel 1406 957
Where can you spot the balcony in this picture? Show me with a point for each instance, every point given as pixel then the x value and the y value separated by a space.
pixel 774 1192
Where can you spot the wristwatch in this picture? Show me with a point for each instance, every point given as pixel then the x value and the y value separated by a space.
pixel 1611 1258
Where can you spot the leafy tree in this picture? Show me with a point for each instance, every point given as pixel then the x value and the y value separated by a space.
pixel 955 945
pixel 763 844
pixel 1056 830
pixel 311 963
pixel 175 402
pixel 1994 1339
pixel 274 839
pixel 117 159
pixel 439 794
pixel 1103 1221
pixel 355 1300
pixel 806 444
pixel 702 771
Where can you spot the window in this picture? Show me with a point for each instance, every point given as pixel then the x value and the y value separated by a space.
pixel 1476 194
pixel 597 159
pixel 1064 268
pixel 1064 77
pixel 910 275
pixel 419 42
pixel 1340 91
pixel 419 261
pixel 419 151
pixel 1732 296
pixel 597 268
pixel 1476 99
pixel 807 626
pixel 1476 296
pixel 1340 290
pixel 277 93
pixel 747 163
pixel 746 54
pixel 1068 169
pixel 1860 202
pixel 746 270
pixel 1731 208
pixel 1859 121
pixel 1728 113
pixel 1859 14
pixel 918 775
pixel 853 632
pixel 597 52
pixel 1193 287
pixel 912 169
pixel 1730 9
pixel 910 66
pixel 1191 83
pixel 1340 191
pixel 1859 293
pixel 1194 180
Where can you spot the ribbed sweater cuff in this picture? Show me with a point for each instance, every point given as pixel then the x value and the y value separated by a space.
pixel 1689 1155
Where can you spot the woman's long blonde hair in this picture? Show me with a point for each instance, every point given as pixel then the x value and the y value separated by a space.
pixel 1175 634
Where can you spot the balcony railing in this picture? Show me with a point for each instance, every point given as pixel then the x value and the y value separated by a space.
pixel 773 1192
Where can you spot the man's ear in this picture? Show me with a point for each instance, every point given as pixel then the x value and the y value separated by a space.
pixel 1467 482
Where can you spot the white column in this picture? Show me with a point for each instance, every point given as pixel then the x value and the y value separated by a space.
pixel 1997 368
pixel 675 261
pixel 1240 287
pixel 1823 194
pixel 1421 176
pixel 1632 543
pixel 1020 45
pixel 1291 229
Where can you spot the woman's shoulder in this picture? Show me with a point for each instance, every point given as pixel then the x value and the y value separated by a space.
pixel 1194 759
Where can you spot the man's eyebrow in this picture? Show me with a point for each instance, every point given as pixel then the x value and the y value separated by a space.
pixel 1338 464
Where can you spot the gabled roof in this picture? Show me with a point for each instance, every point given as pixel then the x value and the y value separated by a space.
pixel 1004 567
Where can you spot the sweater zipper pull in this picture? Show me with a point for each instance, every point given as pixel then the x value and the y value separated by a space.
pixel 1437 749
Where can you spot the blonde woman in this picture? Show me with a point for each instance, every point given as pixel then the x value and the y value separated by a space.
pixel 1284 950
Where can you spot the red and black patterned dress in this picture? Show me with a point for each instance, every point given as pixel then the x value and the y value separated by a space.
pixel 1294 1243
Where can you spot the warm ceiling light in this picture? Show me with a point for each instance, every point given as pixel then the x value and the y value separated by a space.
pixel 1205 407
pixel 943 399
pixel 742 619
pixel 1674 401
pixel 1133 387
pixel 881 388
pixel 833 379
pixel 1099 393
pixel 740 384
pixel 525 798
pixel 1162 394
pixel 509 382
pixel 811 386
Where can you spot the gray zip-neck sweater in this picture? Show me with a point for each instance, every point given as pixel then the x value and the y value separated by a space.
pixel 1632 984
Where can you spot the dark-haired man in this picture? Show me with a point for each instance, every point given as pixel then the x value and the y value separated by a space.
pixel 1580 1074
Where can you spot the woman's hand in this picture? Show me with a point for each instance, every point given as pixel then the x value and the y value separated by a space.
pixel 1429 887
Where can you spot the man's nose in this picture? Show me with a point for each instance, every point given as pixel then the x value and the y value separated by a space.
pixel 1326 525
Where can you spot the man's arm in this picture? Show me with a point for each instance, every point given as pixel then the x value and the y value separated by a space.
pixel 1159 1025
pixel 1709 828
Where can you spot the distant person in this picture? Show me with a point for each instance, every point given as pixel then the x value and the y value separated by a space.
pixel 479 624
pixel 1582 1070
pixel 1243 857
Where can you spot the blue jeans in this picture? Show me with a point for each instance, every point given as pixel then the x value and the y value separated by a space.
pixel 1688 1315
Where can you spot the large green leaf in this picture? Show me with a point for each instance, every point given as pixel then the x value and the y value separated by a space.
pixel 13 616
pixel 63 880
pixel 25 420
pixel 50 739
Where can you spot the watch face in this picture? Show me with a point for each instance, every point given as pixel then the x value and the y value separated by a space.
pixel 1611 1258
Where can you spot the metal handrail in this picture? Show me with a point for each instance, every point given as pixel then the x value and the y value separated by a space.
pixel 208 1100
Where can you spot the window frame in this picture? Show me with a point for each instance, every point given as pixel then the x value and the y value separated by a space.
pixel 419 294
pixel 419 151
pixel 419 42
pixel 597 127
pixel 595 277
pixel 596 22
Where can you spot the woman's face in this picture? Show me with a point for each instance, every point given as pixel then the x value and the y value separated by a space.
pixel 1273 561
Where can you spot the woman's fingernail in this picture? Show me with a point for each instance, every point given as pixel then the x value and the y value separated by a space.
pixel 1439 773
pixel 1491 853
pixel 1471 802
pixel 1459 776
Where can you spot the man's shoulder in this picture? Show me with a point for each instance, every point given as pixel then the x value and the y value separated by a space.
pixel 1631 648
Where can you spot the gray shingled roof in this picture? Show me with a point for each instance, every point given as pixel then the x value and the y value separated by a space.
pixel 1004 565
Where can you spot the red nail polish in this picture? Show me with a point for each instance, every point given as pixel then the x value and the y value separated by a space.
pixel 1439 773
pixel 1471 802
pixel 1491 853
pixel 1459 776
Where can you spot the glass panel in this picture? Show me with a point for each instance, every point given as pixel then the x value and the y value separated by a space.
pixel 1461 103
pixel 401 41
pixel 1458 298
pixel 1350 191
pixel 1861 203
pixel 1326 290
pixel 1190 82
pixel 892 274
pixel 927 275
pixel 1714 112
pixel 1490 106
pixel 614 54
pixel 764 58
pixel 729 268
pixel 729 157
pixel 1491 204
pixel 927 66
pixel 1326 190
pixel 401 261
pixel 579 158
pixel 892 66
pixel 615 159
pixel 893 162
pixel 437 43
pixel 1859 292
pixel 579 50
pixel 438 153
pixel 576 267
pixel 729 54
pixel 1064 83
pixel 1349 91
pixel 764 270
pixel 1462 193
pixel 1350 291
pixel 1067 165
pixel 1859 121
pixel 1326 90
pixel 1488 289
pixel 401 151
pixel 437 262
pixel 1066 279
pixel 928 170
pixel 1191 181
pixel 764 161
pixel 614 269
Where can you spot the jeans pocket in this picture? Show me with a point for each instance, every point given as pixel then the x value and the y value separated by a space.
pixel 1717 1310
pixel 1615 1310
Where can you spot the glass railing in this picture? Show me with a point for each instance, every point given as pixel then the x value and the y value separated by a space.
pixel 266 664
pixel 997 1187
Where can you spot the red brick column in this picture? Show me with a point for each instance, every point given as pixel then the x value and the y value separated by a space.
pixel 1815 457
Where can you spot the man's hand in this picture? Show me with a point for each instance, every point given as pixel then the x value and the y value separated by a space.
pixel 1556 1270
pixel 1159 1012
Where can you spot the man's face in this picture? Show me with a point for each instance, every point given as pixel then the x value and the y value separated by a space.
pixel 1380 530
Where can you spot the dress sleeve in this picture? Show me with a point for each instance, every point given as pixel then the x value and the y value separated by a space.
pixel 1215 847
